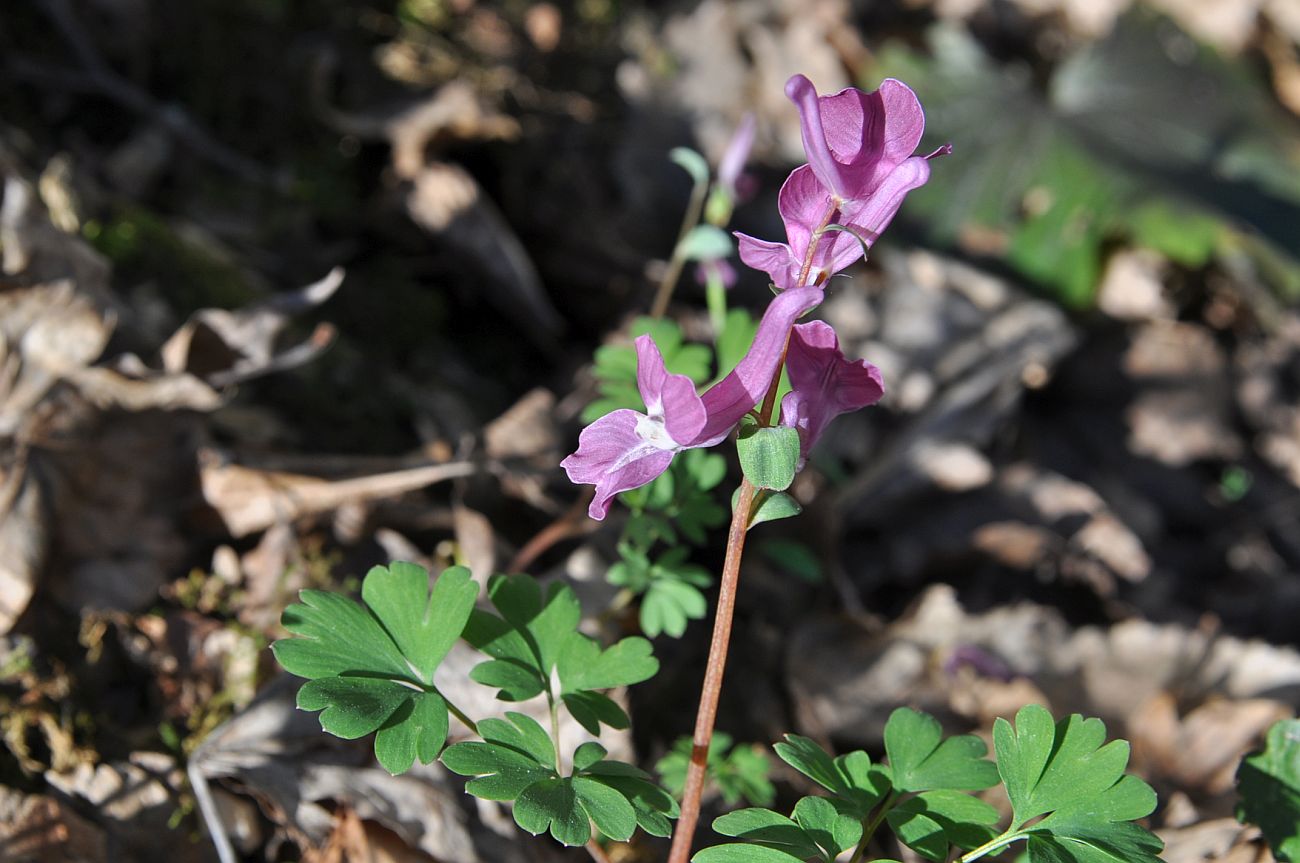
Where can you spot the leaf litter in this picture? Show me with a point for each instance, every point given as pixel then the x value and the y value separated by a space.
pixel 1095 512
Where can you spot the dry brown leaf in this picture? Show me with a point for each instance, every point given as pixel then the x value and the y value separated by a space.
pixel 36 828
pixel 1202 750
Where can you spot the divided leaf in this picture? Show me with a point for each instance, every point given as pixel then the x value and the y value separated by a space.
pixel 370 668
pixel 516 761
pixel 921 760
pixel 817 830
pixel 537 635
pixel 932 821
pixel 1269 785
pixel 1067 772
pixel 856 783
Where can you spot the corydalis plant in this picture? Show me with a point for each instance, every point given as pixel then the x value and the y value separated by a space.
pixel 860 167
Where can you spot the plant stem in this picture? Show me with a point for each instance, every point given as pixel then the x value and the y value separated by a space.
pixel 555 729
pixel 459 714
pixel 684 833
pixel 708 711
pixel 869 829
pixel 992 845
pixel 675 263
pixel 597 853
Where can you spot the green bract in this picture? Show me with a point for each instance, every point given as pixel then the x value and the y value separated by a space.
pixel 370 668
pixel 769 457
pixel 1269 784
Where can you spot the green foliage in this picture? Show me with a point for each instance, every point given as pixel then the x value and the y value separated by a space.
pixel 1062 770
pixel 921 760
pixel 1269 785
pixel 794 557
pixel 1059 773
pixel 670 588
pixel 678 506
pixel 739 773
pixel 692 163
pixel 678 501
pixel 615 368
pixel 706 243
pixel 370 668
pixel 536 634
pixel 516 761
pixel 769 457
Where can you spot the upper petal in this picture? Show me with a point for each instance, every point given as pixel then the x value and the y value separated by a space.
pixel 732 397
pixel 616 454
pixel 811 126
pixel 671 398
pixel 870 134
pixel 804 203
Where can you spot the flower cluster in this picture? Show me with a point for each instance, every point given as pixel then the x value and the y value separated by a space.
pixel 860 167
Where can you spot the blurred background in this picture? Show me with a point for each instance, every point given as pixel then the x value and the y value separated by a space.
pixel 290 289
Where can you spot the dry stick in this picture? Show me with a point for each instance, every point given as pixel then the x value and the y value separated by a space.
pixel 684 832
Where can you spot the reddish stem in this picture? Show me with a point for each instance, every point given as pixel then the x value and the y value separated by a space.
pixel 704 719
pixel 684 833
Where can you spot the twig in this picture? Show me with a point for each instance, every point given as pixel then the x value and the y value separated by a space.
pixel 572 523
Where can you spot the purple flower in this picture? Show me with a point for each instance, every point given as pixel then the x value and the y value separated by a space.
pixel 823 383
pixel 626 449
pixel 860 168
pixel 736 154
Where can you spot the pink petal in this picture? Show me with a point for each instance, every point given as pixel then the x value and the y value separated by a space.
pixel 732 397
pixel 804 95
pixel 615 454
pixel 804 204
pixel 872 133
pixel 824 383
pixel 871 215
pixel 775 259
pixel 733 160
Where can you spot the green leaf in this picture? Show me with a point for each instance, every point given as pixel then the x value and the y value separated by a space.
pixel 521 733
pixel 706 243
pixel 417 729
pixel 424 624
pixel 1269 784
pixel 352 707
pixel 793 556
pixel 735 853
pixel 920 760
pixel 370 668
pixel 768 456
pixel 553 804
pixel 832 830
pixel 588 754
pixel 852 778
pixel 668 605
pixel 692 162
pixel 1066 771
pixel 654 807
pixel 584 665
pixel 502 772
pixel 932 821
pixel 768 829
pixel 591 709
pixel 612 813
